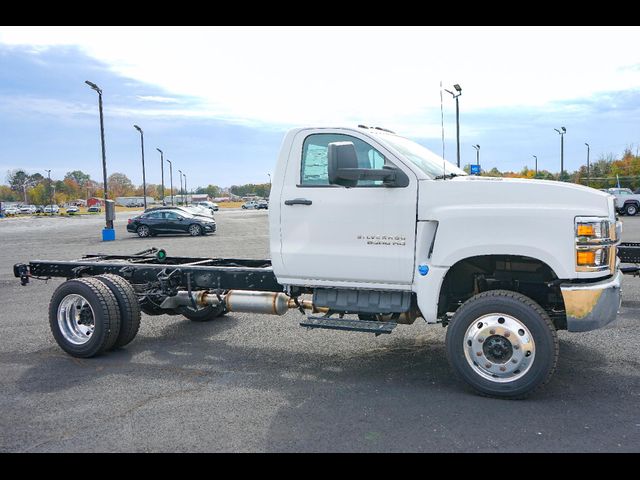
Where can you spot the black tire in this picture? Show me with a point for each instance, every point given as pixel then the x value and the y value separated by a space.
pixel 202 314
pixel 129 307
pixel 195 230
pixel 512 305
pixel 106 317
pixel 631 209
pixel 143 231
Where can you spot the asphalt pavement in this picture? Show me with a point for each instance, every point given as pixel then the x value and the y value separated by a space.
pixel 263 383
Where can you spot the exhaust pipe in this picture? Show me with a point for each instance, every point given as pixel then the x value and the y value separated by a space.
pixel 242 301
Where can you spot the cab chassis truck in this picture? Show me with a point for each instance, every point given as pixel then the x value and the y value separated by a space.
pixel 369 230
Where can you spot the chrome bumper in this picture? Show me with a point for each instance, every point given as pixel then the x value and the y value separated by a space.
pixel 593 305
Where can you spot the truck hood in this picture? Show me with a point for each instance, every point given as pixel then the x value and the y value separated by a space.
pixel 478 216
pixel 532 197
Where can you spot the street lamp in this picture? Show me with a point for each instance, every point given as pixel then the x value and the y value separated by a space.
pixel 49 177
pixel 536 164
pixel 477 148
pixel 588 169
pixel 109 223
pixel 185 189
pixel 181 194
pixel 561 132
pixel 144 181
pixel 269 184
pixel 171 176
pixel 456 95
pixel 162 173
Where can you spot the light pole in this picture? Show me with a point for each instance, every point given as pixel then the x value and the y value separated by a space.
pixel 49 177
pixel 561 132
pixel 109 223
pixel 181 194
pixel 588 169
pixel 456 95
pixel 171 177
pixel 162 174
pixel 144 181
pixel 477 148
pixel 185 190
pixel 536 164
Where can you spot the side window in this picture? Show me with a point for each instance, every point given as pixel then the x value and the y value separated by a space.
pixel 171 216
pixel 315 160
pixel 154 215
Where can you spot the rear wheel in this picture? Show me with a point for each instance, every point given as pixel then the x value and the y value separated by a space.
pixel 129 307
pixel 84 317
pixel 204 314
pixel 143 231
pixel 195 230
pixel 631 209
pixel 503 344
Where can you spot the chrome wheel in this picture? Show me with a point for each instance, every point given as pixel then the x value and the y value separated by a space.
pixel 76 319
pixel 499 347
pixel 195 230
pixel 143 231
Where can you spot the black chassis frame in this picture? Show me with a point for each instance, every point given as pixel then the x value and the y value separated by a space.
pixel 161 273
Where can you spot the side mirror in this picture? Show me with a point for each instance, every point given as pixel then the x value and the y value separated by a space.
pixel 343 168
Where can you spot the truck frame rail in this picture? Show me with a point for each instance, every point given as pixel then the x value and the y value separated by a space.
pixel 154 265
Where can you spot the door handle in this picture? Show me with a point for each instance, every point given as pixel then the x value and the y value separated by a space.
pixel 298 201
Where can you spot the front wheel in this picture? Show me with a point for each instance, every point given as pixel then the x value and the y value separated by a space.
pixel 195 230
pixel 503 344
pixel 631 209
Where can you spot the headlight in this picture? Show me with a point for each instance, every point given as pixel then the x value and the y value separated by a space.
pixel 596 240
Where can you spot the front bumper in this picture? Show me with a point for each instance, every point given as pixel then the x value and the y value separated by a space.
pixel 593 305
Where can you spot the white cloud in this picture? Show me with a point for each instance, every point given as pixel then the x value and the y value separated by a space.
pixel 377 76
pixel 157 99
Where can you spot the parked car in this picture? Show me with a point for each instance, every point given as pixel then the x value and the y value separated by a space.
pixel 39 208
pixel 199 210
pixel 94 208
pixel 250 205
pixel 28 209
pixel 210 205
pixel 9 211
pixel 72 209
pixel 51 209
pixel 263 205
pixel 170 220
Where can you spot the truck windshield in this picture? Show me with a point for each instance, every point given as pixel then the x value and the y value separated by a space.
pixel 427 161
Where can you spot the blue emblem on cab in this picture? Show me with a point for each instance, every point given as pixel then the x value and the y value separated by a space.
pixel 423 269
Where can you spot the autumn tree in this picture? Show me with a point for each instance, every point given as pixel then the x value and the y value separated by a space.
pixel 119 185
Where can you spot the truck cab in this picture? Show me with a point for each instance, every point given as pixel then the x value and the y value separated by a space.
pixel 376 224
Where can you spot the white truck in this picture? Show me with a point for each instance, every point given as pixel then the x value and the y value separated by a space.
pixel 626 201
pixel 369 230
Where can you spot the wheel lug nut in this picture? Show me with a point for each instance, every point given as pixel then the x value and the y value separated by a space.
pixel 513 360
pixel 487 365
pixel 479 354
pixel 507 334
pixel 492 332
pixel 480 339
pixel 516 347
pixel 502 369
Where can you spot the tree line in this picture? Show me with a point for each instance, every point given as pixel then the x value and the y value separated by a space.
pixel 605 172
pixel 37 189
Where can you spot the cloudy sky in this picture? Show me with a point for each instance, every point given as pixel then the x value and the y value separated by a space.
pixel 218 100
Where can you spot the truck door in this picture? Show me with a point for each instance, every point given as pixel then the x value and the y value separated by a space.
pixel 345 236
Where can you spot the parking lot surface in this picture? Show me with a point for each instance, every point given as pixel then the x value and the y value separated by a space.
pixel 262 383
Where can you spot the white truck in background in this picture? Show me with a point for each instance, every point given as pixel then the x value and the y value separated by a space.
pixel 627 202
pixel 379 231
